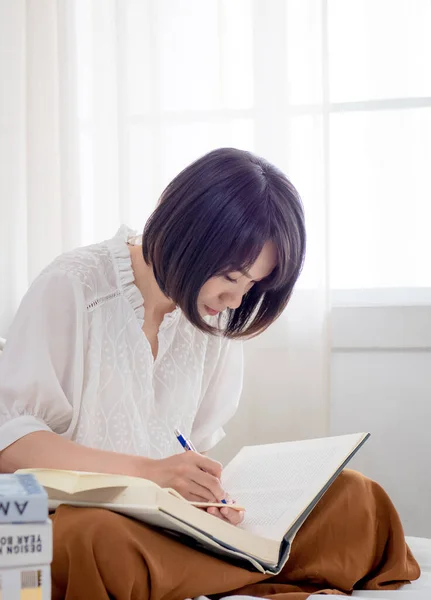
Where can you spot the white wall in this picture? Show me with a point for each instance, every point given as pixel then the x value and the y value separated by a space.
pixel 388 393
pixel 380 382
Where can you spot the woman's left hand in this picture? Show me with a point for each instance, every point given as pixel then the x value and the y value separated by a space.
pixel 234 517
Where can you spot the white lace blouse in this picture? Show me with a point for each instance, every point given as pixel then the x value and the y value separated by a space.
pixel 78 363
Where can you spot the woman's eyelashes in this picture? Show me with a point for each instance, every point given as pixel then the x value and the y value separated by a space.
pixel 250 284
pixel 231 279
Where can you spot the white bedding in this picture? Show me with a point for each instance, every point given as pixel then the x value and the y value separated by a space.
pixel 418 590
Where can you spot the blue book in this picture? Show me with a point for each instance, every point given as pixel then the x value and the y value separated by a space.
pixel 22 499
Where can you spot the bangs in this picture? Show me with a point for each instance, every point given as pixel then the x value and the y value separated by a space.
pixel 243 253
pixel 289 249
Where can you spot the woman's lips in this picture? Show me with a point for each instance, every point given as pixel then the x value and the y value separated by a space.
pixel 211 311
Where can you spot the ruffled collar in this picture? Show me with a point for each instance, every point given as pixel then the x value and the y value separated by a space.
pixel 120 252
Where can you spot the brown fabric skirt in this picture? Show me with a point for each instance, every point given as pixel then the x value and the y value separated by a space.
pixel 352 540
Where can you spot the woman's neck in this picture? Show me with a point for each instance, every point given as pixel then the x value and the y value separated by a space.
pixel 155 302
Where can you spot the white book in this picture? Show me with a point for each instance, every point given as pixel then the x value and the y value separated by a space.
pixel 25 544
pixel 22 499
pixel 26 583
pixel 278 484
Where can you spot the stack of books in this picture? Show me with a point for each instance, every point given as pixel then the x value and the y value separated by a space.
pixel 25 539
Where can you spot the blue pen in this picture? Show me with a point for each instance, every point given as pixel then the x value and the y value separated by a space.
pixel 187 445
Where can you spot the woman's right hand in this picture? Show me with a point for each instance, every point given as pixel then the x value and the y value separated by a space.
pixel 194 476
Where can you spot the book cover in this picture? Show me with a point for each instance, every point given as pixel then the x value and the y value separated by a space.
pixel 22 499
pixel 26 583
pixel 25 544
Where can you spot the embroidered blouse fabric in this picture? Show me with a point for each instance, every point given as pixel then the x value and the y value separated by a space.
pixel 78 363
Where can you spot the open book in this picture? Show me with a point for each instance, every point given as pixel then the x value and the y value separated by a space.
pixel 278 484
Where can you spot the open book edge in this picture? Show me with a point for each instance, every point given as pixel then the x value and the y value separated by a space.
pixel 157 505
pixel 73 483
pixel 300 520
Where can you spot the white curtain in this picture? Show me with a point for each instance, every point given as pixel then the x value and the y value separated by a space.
pixel 39 157
pixel 102 102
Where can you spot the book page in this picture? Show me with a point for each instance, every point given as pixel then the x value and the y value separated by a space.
pixel 276 482
pixel 73 482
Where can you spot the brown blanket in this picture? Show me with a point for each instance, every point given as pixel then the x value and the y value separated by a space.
pixel 352 540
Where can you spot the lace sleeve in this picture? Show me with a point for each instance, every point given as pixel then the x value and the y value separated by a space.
pixel 41 368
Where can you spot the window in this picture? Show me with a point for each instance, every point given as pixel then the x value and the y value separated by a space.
pixel 380 143
pixel 335 92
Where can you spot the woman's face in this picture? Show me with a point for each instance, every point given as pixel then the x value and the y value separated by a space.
pixel 227 291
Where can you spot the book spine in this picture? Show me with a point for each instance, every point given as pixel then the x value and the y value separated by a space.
pixel 19 509
pixel 25 544
pixel 31 583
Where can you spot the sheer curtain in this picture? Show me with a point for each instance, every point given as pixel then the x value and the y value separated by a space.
pixel 104 102
pixel 39 154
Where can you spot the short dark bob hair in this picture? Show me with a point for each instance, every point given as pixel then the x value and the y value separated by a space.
pixel 214 218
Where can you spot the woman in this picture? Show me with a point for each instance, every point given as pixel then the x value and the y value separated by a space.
pixel 117 344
